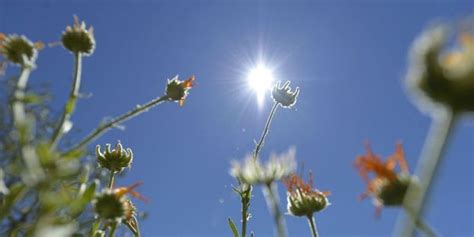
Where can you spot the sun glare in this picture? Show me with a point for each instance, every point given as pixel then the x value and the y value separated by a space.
pixel 260 80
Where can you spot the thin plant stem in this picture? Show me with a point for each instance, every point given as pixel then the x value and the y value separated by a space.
pixel 431 158
pixel 271 196
pixel 21 122
pixel 95 226
pixel 421 225
pixel 116 121
pixel 265 131
pixel 245 196
pixel 71 102
pixel 111 180
pixel 312 225
pixel 135 221
pixel 113 228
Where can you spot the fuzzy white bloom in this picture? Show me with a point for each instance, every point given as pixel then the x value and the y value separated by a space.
pixel 252 171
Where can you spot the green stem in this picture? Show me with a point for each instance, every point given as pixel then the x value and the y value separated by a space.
pixel 113 228
pixel 421 225
pixel 427 170
pixel 116 121
pixel 23 127
pixel 245 200
pixel 270 192
pixel 71 102
pixel 312 225
pixel 265 131
pixel 95 226
pixel 111 180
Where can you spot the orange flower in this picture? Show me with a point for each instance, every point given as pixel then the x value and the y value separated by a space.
pixel 122 191
pixel 387 186
pixel 303 199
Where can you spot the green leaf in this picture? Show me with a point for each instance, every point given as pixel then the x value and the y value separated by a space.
pixel 78 206
pixel 233 227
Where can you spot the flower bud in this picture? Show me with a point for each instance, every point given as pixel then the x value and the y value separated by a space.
pixel 19 50
pixel 303 199
pixel 441 78
pixel 114 160
pixel 78 39
pixel 177 90
pixel 302 203
pixel 283 94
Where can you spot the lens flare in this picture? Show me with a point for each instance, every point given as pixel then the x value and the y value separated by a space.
pixel 260 80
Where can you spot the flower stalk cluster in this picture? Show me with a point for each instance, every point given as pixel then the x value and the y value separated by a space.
pixel 52 180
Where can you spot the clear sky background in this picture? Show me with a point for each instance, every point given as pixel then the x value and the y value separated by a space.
pixel 348 57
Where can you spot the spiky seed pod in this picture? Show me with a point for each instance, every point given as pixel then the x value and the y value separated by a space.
pixel 283 95
pixel 78 39
pixel 177 90
pixel 114 160
pixel 301 203
pixel 19 50
pixel 109 206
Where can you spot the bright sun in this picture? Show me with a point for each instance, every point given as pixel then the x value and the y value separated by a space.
pixel 260 79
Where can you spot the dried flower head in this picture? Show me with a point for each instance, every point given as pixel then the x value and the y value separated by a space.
pixel 283 95
pixel 114 160
pixel 252 171
pixel 177 90
pixel 19 50
pixel 78 39
pixel 114 205
pixel 440 77
pixel 387 187
pixel 303 199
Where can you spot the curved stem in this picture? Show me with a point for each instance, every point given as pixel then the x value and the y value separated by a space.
pixel 116 121
pixel 270 192
pixel 312 225
pixel 265 131
pixel 71 102
pixel 427 170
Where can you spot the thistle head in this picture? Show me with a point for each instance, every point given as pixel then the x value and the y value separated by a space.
pixel 114 160
pixel 283 95
pixel 438 76
pixel 303 199
pixel 78 39
pixel 177 90
pixel 19 50
pixel 251 171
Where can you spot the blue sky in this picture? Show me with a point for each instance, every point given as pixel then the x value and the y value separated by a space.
pixel 348 57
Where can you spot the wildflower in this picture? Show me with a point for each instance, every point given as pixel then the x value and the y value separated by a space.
pixel 19 50
pixel 303 199
pixel 114 160
pixel 252 171
pixel 387 187
pixel 114 205
pixel 177 90
pixel 78 39
pixel 283 94
pixel 443 78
